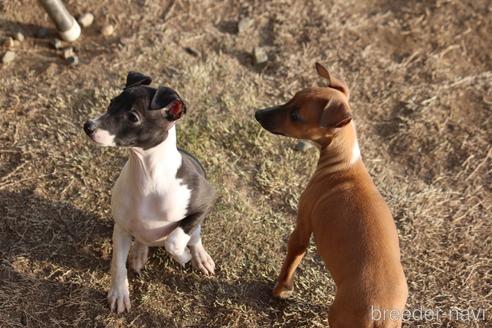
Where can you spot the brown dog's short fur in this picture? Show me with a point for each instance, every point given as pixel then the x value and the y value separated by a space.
pixel 352 226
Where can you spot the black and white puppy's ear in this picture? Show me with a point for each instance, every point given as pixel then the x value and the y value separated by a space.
pixel 134 79
pixel 169 103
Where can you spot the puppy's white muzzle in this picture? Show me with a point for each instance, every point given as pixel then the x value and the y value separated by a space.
pixel 103 137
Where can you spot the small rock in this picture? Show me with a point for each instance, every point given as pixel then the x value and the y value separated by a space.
pixel 57 43
pixel 260 56
pixel 52 69
pixel 8 57
pixel 125 41
pixel 68 52
pixel 107 30
pixel 19 36
pixel 42 32
pixel 303 146
pixel 73 60
pixel 86 20
pixel 9 43
pixel 244 24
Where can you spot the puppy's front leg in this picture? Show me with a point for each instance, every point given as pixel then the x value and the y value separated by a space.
pixel 175 245
pixel 188 234
pixel 298 243
pixel 119 296
pixel 191 226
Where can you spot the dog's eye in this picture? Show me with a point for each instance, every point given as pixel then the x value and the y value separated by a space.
pixel 294 115
pixel 132 117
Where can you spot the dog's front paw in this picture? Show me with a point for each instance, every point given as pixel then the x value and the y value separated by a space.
pixel 119 298
pixel 282 291
pixel 138 256
pixel 175 245
pixel 202 260
pixel 183 257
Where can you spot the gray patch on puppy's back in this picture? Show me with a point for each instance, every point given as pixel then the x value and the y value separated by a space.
pixel 193 159
pixel 202 195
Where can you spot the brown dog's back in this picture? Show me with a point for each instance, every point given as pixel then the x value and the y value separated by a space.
pixel 356 236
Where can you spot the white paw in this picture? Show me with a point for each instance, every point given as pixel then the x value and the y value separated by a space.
pixel 138 256
pixel 202 260
pixel 175 245
pixel 119 297
pixel 183 257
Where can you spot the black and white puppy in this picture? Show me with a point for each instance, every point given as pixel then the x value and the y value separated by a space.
pixel 161 196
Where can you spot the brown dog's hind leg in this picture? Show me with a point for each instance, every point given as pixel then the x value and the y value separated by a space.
pixel 298 243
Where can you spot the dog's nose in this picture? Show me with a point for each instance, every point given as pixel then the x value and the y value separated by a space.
pixel 89 127
pixel 258 115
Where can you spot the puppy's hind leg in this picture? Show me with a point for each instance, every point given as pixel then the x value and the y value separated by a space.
pixel 200 257
pixel 138 256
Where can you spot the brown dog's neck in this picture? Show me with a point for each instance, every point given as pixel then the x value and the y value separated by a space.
pixel 341 153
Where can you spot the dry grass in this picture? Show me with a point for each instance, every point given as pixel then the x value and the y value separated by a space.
pixel 420 74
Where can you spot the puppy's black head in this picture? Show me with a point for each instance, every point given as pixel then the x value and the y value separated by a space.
pixel 140 116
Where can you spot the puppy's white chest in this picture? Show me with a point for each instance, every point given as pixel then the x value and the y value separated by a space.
pixel 149 212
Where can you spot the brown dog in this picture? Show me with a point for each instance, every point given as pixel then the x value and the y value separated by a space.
pixel 353 228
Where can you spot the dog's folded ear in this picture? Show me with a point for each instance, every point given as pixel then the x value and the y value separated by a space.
pixel 134 79
pixel 169 103
pixel 333 82
pixel 336 114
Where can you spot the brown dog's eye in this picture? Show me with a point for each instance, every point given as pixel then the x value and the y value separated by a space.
pixel 294 115
pixel 132 117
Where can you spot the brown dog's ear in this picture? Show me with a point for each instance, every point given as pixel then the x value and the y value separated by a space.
pixel 336 114
pixel 333 82
pixel 323 72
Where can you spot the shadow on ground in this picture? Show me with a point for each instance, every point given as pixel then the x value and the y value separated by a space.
pixel 42 230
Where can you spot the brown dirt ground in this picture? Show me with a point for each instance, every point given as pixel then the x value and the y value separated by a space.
pixel 420 73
